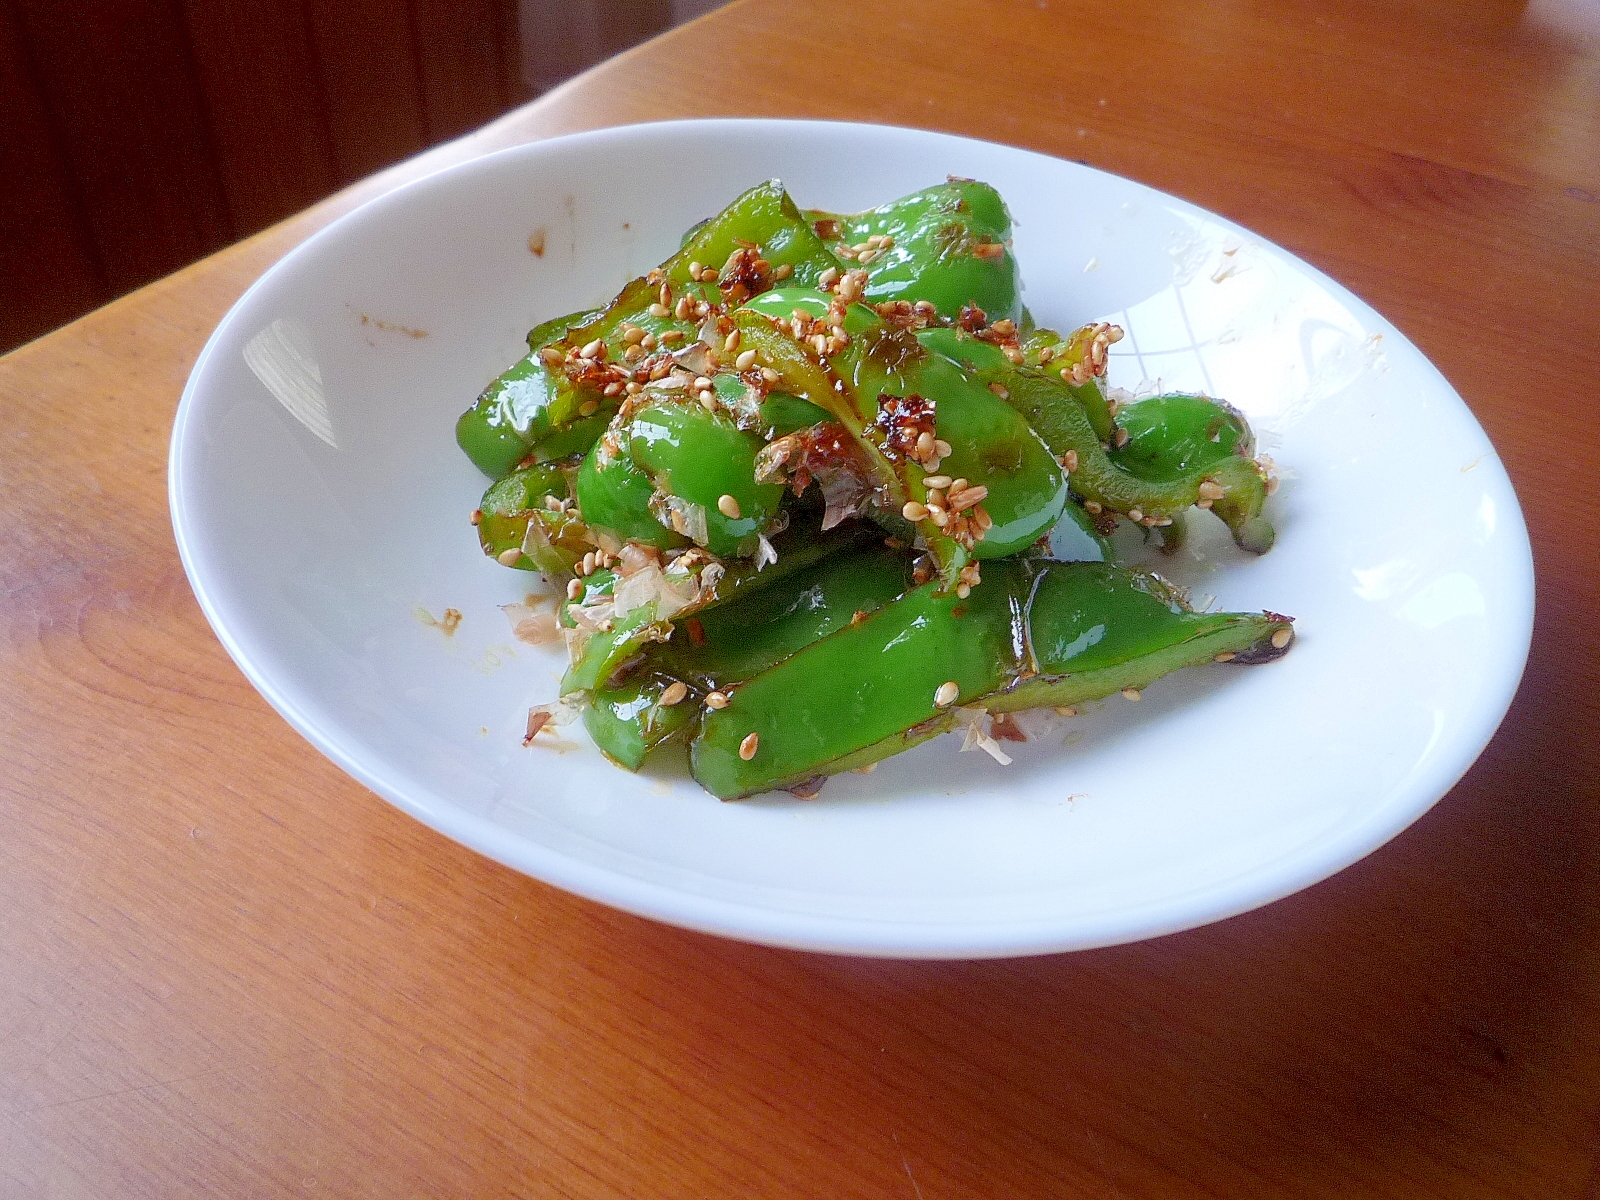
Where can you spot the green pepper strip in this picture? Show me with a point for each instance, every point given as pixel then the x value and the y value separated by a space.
pixel 506 508
pixel 1030 634
pixel 804 373
pixel 1064 426
pixel 949 247
pixel 736 641
pixel 607 650
pixel 533 402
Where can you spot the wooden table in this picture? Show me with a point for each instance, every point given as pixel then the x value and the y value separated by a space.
pixel 228 970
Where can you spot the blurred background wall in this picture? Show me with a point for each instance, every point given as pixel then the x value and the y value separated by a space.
pixel 139 135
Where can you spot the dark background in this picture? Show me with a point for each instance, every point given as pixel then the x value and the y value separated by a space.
pixel 139 135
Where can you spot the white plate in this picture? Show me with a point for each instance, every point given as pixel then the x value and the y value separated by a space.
pixel 321 508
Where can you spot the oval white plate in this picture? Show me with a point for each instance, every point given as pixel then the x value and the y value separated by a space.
pixel 321 506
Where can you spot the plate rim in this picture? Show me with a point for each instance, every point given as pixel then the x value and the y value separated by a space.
pixel 748 921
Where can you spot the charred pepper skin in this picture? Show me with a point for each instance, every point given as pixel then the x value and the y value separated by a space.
pixel 1030 634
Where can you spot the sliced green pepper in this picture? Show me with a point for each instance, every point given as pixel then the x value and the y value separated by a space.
pixel 508 505
pixel 948 245
pixel 1031 634
pixel 735 641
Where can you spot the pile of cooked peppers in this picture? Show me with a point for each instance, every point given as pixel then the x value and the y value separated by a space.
pixel 800 481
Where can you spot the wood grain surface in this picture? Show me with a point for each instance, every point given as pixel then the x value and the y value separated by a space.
pixel 228 970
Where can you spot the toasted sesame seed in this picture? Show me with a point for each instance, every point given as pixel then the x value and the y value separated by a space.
pixel 1211 490
pixel 676 691
pixel 1225 656
pixel 551 357
pixel 769 375
pixel 708 402
pixel 1092 506
pixel 1203 503
pixel 574 589
pixel 670 337
pixel 508 558
pixel 936 498
pixel 1281 637
pixel 1065 710
pixel 947 693
pixel 1069 460
pixel 939 517
pixel 648 342
pixel 717 700
pixel 701 383
pixel 681 309
pixel 1131 693
pixel 783 270
pixel 1135 514
pixel 748 747
pixel 942 448
pixel 963 590
pixel 588 408
pixel 731 342
pixel 664 297
pixel 1120 439
pixel 594 349
pixel 746 360
pixel 694 270
pixel 728 506
pixel 912 511
pixel 477 516
pixel 828 278
pixel 936 481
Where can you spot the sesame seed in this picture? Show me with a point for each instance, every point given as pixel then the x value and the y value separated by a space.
pixel 594 349
pixel 1135 514
pixel 718 700
pixel 648 342
pixel 1069 460
pixel 664 297
pixel 963 590
pixel 942 448
pixel 1131 693
pixel 828 278
pixel 769 375
pixel 694 270
pixel 588 408
pixel 701 383
pixel 1280 638
pixel 746 360
pixel 947 693
pixel 680 309
pixel 1121 438
pixel 477 516
pixel 550 356
pixel 731 342
pixel 783 270
pixel 676 691
pixel 728 506
pixel 671 337
pixel 748 747
pixel 1203 503
pixel 939 517
pixel 1092 506
pixel 999 389
pixel 508 558
pixel 1225 656
pixel 912 511
pixel 574 589
pixel 708 402
pixel 936 481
